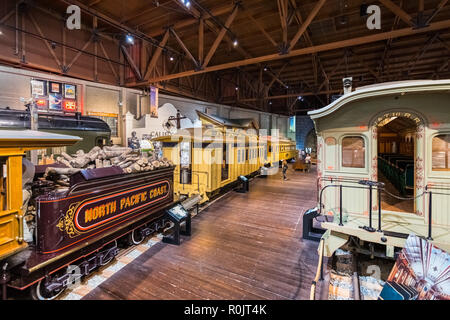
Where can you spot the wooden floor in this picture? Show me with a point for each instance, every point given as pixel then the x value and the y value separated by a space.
pixel 244 246
pixel 394 204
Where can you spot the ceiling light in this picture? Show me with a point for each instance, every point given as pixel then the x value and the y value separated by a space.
pixel 171 58
pixel 237 88
pixel 1 32
pixel 235 42
pixel 129 39
pixel 265 68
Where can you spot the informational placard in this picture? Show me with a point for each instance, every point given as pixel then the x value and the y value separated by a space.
pixel 178 212
pixel 154 102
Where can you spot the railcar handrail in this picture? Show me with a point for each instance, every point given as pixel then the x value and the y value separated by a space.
pixel 371 185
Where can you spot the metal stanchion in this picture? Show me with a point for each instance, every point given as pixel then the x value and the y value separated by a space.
pixel 340 205
pixel 379 210
pixel 430 200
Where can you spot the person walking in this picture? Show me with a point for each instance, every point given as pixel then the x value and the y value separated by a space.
pixel 284 167
pixel 308 162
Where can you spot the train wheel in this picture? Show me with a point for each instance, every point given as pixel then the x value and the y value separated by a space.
pixel 111 257
pixel 38 292
pixel 136 237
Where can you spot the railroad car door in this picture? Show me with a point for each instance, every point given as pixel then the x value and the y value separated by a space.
pixel 396 155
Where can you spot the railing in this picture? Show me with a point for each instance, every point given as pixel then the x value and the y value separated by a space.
pixel 380 187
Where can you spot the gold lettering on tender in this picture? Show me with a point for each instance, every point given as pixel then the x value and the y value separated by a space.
pixel 95 213
pixel 88 215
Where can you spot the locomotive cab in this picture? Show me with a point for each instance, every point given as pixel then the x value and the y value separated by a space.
pixel 13 145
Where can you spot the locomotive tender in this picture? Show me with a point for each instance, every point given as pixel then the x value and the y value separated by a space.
pixel 384 166
pixel 77 227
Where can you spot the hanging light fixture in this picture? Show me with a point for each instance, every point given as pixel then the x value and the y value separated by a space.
pixel 129 39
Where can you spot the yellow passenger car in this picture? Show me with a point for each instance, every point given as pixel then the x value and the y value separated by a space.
pixel 213 157
pixel 13 145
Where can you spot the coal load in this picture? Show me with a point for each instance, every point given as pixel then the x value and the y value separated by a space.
pixel 127 159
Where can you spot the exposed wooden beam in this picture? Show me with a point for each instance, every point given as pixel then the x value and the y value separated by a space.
pixel 79 53
pixel 436 11
pixel 309 50
pixel 306 24
pixel 398 11
pixel 261 28
pixel 219 38
pixel 131 62
pixel 276 78
pixel 201 39
pixel 156 55
pixel 49 47
pixel 282 10
pixel 421 53
pixel 365 64
pixel 183 46
pixel 93 3
pixel 7 16
pixel 109 61
pixel 290 95
pixel 191 21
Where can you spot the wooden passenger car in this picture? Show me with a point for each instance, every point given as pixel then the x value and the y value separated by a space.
pixel 214 156
pixel 280 149
pixel 397 134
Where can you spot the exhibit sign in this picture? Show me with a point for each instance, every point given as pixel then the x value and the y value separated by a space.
pixel 154 102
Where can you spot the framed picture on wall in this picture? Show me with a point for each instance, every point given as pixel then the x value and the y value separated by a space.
pixel 38 88
pixel 55 101
pixel 55 87
pixel 70 91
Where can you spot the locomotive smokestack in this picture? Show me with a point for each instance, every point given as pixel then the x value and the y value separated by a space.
pixel 348 83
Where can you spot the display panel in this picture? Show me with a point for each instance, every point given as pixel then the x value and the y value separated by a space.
pixel 178 212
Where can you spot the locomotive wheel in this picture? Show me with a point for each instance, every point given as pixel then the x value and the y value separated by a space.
pixel 38 292
pixel 136 237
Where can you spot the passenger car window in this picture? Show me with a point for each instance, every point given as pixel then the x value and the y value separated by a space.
pixel 353 152
pixel 441 152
